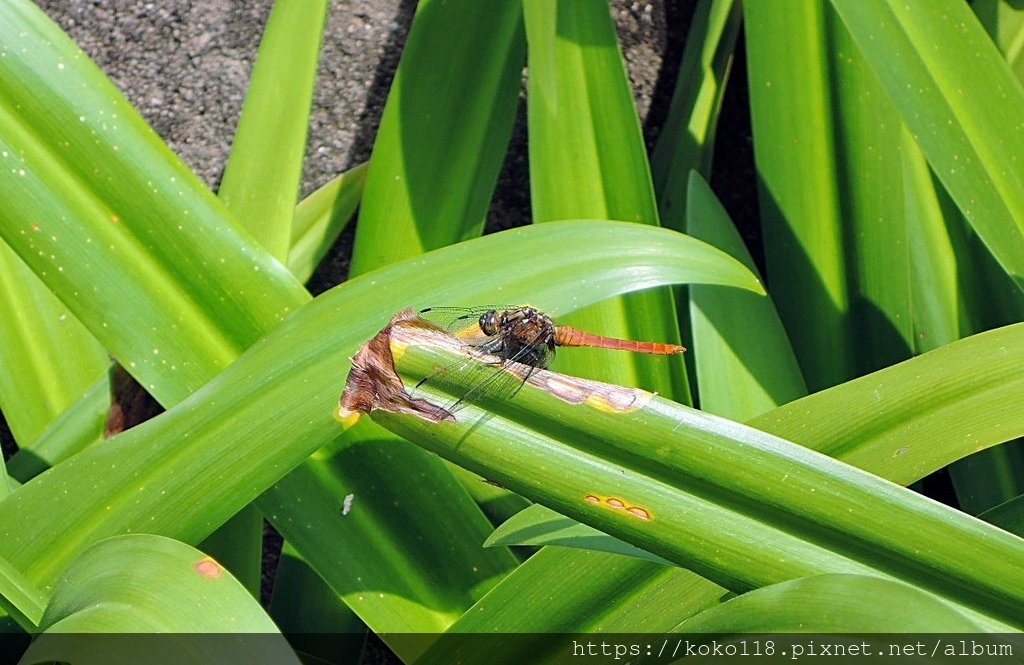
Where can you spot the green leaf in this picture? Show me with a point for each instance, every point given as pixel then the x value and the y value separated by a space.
pixel 739 506
pixel 110 589
pixel 962 104
pixel 686 142
pixel 837 249
pixel 794 129
pixel 587 155
pixel 519 274
pixel 19 598
pixel 989 299
pixel 953 294
pixel 435 162
pixel 1008 515
pixel 745 365
pixel 444 131
pixel 586 602
pixel 917 416
pixel 261 179
pixel 871 194
pixel 646 594
pixel 7 483
pixel 47 358
pixel 1004 21
pixel 840 415
pixel 587 159
pixel 109 218
pixel 538 525
pixel 832 604
pixel 393 525
pixel 111 585
pixel 321 217
pixel 259 187
pixel 989 477
pixel 304 605
pixel 79 426
pixel 497 503
pixel 238 546
pixel 941 283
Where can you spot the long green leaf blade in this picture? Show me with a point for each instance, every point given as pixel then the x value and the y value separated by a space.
pixel 394 521
pixel 261 179
pixel 587 160
pixel 444 131
pixel 259 187
pixel 48 360
pixel 821 421
pixel 745 364
pixel 436 158
pixel 321 217
pixel 120 574
pixel 837 249
pixel 832 603
pixel 19 598
pixel 110 589
pixel 961 102
pixel 1004 21
pixel 538 525
pixel 794 132
pixel 305 608
pixel 633 475
pixel 79 426
pixel 919 415
pixel 85 180
pixel 556 589
pixel 869 167
pixel 686 142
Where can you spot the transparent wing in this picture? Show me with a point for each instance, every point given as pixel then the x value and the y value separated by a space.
pixel 476 379
pixel 462 322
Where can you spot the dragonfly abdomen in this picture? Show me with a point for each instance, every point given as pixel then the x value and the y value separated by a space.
pixel 569 336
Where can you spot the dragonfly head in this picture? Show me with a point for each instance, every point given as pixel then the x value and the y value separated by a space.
pixel 490 322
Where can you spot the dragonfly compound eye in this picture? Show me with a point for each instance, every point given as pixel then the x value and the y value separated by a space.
pixel 489 322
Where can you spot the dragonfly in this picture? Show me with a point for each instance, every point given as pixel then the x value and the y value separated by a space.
pixel 508 344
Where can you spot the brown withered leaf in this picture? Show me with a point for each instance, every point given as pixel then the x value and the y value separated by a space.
pixel 373 382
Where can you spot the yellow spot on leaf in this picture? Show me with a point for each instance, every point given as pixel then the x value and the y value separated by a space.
pixel 639 512
pixel 616 503
pixel 345 417
pixel 209 568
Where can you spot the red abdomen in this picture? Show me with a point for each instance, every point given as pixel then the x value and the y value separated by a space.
pixel 569 336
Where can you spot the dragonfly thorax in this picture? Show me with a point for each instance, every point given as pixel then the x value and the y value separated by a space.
pixel 523 334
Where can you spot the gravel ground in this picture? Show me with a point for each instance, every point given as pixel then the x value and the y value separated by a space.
pixel 185 64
